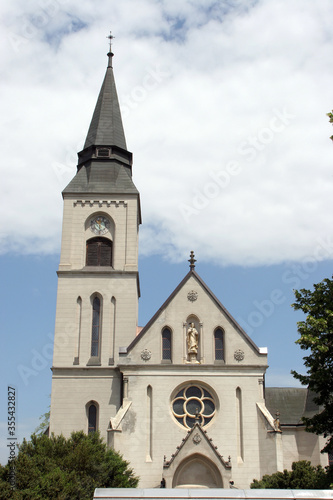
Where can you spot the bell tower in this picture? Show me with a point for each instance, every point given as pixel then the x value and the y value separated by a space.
pixel 98 282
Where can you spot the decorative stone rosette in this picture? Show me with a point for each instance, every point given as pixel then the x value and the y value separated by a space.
pixel 239 355
pixel 192 296
pixel 196 438
pixel 145 355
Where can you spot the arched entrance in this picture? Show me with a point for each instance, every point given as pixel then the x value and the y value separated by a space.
pixel 197 471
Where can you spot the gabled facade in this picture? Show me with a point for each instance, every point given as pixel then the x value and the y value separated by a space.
pixel 216 386
pixel 184 399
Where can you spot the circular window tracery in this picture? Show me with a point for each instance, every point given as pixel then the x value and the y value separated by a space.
pixel 192 404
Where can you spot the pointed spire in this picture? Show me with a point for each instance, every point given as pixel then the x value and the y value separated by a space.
pixel 106 127
pixel 105 165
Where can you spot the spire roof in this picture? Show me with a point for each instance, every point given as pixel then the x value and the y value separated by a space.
pixel 106 127
pixel 104 164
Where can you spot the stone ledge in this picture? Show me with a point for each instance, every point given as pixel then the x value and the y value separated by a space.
pixel 198 493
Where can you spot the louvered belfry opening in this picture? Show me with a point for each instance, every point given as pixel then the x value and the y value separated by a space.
pixel 99 252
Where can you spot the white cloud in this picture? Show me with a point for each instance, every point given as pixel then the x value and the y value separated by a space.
pixel 248 84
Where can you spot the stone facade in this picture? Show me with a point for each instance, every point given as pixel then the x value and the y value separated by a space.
pixel 184 400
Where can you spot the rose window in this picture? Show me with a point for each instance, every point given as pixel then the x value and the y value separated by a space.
pixel 193 404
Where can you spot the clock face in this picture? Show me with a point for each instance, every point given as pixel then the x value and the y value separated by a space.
pixel 100 225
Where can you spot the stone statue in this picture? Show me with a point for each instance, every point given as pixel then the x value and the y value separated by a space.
pixel 277 427
pixel 192 340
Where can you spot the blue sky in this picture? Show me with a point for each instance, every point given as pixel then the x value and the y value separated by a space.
pixel 224 107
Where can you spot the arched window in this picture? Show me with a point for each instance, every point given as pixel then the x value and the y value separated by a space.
pixel 92 418
pixel 99 252
pixel 166 344
pixel 218 341
pixel 79 320
pixel 96 327
pixel 239 408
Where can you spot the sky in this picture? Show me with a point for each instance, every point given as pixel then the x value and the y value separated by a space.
pixel 224 107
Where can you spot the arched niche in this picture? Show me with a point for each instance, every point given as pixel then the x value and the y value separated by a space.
pixel 106 227
pixel 197 471
pixel 192 319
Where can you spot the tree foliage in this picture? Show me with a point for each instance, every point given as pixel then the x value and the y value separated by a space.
pixel 302 476
pixel 44 424
pixel 60 468
pixel 330 115
pixel 316 336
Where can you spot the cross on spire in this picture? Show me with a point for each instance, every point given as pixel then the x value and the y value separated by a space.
pixel 110 53
pixel 192 260
pixel 110 37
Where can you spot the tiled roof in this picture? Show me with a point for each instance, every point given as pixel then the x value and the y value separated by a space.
pixel 291 402
pixel 102 177
pixel 106 127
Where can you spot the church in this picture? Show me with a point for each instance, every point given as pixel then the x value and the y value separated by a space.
pixel 183 399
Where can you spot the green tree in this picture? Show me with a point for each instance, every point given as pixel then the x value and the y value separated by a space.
pixel 60 468
pixel 316 337
pixel 302 476
pixel 44 424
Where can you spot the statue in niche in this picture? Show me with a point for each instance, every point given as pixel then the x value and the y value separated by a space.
pixel 192 340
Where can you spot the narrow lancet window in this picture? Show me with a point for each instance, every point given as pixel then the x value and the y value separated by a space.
pixel 218 339
pixel 79 318
pixel 240 438
pixel 92 418
pixel 96 327
pixel 166 344
pixel 149 454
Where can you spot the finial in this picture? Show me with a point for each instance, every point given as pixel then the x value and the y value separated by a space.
pixel 192 260
pixel 110 53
